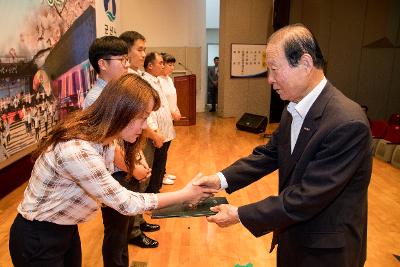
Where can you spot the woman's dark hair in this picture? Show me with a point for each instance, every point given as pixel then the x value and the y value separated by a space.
pixel 168 58
pixel 297 41
pixel 121 101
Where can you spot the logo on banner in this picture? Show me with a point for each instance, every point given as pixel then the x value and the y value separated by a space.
pixel 59 4
pixel 110 8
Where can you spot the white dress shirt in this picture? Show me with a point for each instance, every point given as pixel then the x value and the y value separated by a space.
pixel 160 120
pixel 138 72
pixel 168 87
pixel 300 110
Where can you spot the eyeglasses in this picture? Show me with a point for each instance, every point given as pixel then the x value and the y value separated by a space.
pixel 124 60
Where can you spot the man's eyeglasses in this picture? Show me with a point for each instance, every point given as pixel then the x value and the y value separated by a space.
pixel 124 60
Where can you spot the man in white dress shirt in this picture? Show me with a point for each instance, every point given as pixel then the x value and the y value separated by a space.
pixel 136 43
pixel 159 122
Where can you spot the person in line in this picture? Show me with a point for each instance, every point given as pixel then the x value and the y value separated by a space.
pixel 108 56
pixel 36 121
pixel 322 149
pixel 160 122
pixel 213 74
pixel 136 53
pixel 168 87
pixel 71 176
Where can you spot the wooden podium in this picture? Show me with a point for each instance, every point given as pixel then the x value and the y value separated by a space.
pixel 186 93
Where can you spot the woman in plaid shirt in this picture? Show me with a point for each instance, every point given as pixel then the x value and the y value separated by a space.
pixel 71 176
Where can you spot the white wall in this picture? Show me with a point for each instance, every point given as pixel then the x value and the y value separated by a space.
pixel 213 51
pixel 176 24
pixel 212 14
pixel 166 23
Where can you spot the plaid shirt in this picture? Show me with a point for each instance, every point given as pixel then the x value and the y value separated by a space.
pixel 68 182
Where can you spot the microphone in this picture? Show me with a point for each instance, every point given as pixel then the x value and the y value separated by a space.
pixel 186 68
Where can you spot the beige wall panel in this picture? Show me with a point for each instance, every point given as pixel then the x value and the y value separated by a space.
pixel 375 78
pixel 345 54
pixel 259 100
pixel 242 22
pixel 239 94
pixel 191 58
pixel 178 52
pixel 194 63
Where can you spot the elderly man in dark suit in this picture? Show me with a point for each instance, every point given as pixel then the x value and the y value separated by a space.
pixel 322 149
pixel 213 73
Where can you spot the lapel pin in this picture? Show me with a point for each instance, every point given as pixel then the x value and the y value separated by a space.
pixel 306 129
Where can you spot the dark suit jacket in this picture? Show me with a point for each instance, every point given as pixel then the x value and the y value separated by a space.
pixel 212 77
pixel 320 214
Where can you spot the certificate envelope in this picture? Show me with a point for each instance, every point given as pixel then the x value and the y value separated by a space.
pixel 183 210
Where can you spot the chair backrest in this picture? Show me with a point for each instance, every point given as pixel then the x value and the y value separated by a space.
pixel 396 157
pixel 393 134
pixel 394 119
pixel 378 128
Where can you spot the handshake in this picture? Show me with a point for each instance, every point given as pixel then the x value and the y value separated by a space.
pixel 202 187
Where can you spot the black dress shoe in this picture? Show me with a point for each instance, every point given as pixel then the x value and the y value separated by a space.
pixel 149 227
pixel 143 241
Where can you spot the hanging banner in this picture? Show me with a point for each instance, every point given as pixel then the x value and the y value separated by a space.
pixel 44 71
pixel 108 17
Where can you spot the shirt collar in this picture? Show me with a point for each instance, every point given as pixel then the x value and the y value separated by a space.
pixel 101 83
pixel 302 107
pixel 138 71
pixel 151 77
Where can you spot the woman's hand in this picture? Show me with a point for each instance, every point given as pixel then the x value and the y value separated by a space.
pixel 194 194
pixel 141 172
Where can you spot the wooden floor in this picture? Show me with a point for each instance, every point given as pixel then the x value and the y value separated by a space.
pixel 208 147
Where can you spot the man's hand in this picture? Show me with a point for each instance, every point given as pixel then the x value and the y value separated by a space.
pixel 227 215
pixel 176 115
pixel 141 172
pixel 210 181
pixel 158 140
pixel 194 194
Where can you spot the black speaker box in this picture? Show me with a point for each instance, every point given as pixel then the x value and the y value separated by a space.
pixel 252 123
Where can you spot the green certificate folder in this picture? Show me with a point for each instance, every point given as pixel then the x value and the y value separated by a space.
pixel 202 209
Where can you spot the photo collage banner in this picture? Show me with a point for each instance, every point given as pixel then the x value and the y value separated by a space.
pixel 44 68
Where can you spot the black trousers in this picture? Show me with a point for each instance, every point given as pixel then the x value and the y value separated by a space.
pixel 136 220
pixel 115 242
pixel 214 96
pixel 158 168
pixel 117 229
pixel 44 244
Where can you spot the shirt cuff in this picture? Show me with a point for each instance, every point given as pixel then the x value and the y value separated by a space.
pixel 150 200
pixel 222 179
pixel 224 185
